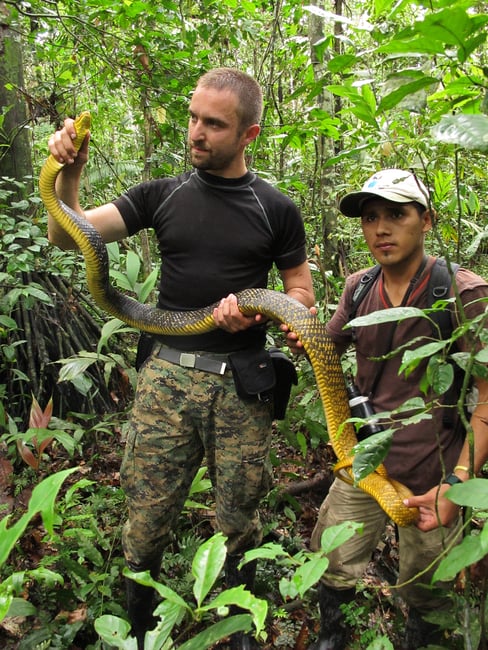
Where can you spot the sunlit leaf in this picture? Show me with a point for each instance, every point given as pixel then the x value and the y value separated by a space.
pixel 472 493
pixel 207 565
pixel 463 130
pixel 335 536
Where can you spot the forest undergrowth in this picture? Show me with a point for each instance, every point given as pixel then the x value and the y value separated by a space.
pixel 86 549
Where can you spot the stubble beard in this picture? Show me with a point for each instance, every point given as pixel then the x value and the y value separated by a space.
pixel 211 161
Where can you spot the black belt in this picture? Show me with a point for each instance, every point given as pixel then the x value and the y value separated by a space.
pixel 207 363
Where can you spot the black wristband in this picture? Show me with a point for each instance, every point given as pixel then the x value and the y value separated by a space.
pixel 452 479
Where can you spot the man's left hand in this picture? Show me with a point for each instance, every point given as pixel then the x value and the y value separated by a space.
pixel 228 316
pixel 435 509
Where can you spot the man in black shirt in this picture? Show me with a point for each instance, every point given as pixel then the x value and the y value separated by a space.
pixel 220 229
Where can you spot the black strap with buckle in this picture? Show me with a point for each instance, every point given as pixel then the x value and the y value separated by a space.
pixel 207 363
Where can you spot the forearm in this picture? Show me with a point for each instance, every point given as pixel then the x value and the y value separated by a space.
pixel 67 190
pixel 479 455
pixel 303 295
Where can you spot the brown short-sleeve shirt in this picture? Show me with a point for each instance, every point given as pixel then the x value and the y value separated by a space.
pixel 418 451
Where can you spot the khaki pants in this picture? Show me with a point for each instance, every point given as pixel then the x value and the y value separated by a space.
pixel 180 417
pixel 417 549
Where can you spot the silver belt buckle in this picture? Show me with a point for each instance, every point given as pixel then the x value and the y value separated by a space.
pixel 187 359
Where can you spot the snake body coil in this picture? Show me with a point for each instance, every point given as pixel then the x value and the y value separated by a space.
pixel 277 306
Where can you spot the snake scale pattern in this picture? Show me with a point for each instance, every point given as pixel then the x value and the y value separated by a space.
pixel 277 306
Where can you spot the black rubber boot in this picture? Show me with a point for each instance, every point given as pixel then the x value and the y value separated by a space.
pixel 333 631
pixel 233 578
pixel 140 605
pixel 420 633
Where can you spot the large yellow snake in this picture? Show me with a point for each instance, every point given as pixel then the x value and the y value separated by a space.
pixel 277 306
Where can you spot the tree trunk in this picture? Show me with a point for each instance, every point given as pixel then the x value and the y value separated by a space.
pixel 324 183
pixel 15 152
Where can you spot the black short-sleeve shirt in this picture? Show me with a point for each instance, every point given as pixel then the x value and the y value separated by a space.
pixel 216 236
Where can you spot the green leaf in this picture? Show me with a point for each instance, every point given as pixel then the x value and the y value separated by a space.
pixel 207 565
pixel 269 551
pixel 144 578
pixel 334 536
pixel 392 99
pixel 114 631
pixel 381 643
pixel 21 607
pixel 211 635
pixel 466 131
pixel 132 266
pixel 380 6
pixel 370 453
pixel 482 356
pixel 112 326
pixel 472 493
pixel 170 614
pixel 7 322
pixel 200 483
pixel 386 316
pixel 412 358
pixel 440 374
pixel 454 26
pixel 147 286
pixel 244 599
pixel 472 549
pixel 341 62
pixel 41 501
pixel 74 367
pixel 307 575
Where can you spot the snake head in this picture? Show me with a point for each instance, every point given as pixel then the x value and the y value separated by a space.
pixel 82 126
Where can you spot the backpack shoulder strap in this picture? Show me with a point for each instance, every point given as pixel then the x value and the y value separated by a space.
pixel 439 288
pixel 363 286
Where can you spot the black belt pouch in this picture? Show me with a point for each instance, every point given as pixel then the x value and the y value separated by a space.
pixel 286 375
pixel 253 372
pixel 262 374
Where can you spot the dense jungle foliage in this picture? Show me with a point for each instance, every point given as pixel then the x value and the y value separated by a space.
pixel 349 88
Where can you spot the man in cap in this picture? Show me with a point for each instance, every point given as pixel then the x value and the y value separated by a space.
pixel 428 456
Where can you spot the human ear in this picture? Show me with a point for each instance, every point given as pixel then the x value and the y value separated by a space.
pixel 428 217
pixel 251 133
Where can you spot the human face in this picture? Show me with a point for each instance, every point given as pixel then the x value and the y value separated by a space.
pixel 216 138
pixel 394 232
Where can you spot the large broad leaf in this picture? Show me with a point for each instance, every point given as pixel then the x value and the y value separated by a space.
pixel 115 631
pixel 307 575
pixel 214 633
pixel 244 599
pixel 472 493
pixel 41 501
pixel 144 578
pixel 334 536
pixel 396 96
pixel 386 316
pixel 471 550
pixel 207 565
pixel 269 551
pixel 466 131
pixel 170 614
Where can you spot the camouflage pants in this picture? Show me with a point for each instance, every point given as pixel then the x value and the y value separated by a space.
pixel 180 416
pixel 417 550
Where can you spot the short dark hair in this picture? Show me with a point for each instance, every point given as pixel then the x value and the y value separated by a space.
pixel 419 207
pixel 247 89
